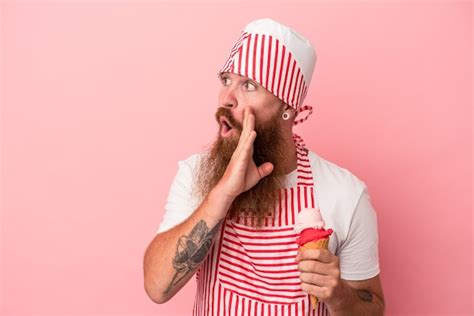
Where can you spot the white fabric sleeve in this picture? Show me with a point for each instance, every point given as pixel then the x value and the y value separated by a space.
pixel 358 254
pixel 180 203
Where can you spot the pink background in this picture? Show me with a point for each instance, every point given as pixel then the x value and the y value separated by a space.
pixel 100 100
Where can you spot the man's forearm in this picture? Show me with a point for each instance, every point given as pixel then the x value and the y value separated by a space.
pixel 173 256
pixel 357 302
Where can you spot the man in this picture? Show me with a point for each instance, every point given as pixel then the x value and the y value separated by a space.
pixel 230 211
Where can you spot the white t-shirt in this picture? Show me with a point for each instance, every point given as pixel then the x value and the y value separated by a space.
pixel 343 200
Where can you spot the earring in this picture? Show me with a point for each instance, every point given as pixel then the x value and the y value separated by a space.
pixel 285 116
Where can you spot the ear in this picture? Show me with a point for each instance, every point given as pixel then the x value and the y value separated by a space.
pixel 287 108
pixel 283 107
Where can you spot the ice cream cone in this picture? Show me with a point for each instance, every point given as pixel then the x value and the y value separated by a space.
pixel 311 234
pixel 319 244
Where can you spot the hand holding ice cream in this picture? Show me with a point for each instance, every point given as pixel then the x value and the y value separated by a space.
pixel 311 234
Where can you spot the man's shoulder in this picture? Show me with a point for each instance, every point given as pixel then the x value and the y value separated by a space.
pixel 338 191
pixel 191 159
pixel 331 175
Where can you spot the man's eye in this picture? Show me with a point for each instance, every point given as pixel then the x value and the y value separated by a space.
pixel 224 80
pixel 250 86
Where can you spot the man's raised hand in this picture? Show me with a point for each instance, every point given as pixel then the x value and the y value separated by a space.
pixel 241 173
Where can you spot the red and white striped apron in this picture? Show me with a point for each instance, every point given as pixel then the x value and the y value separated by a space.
pixel 252 271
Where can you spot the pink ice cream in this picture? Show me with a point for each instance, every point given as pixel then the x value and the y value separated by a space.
pixel 309 218
pixel 310 226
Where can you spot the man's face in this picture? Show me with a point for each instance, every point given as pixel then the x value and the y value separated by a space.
pixel 238 92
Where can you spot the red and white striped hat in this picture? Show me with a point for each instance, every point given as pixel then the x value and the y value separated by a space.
pixel 278 58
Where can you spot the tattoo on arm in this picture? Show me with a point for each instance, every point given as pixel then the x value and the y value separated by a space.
pixel 364 295
pixel 191 250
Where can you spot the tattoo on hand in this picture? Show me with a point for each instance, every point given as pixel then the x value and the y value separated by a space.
pixel 365 295
pixel 191 250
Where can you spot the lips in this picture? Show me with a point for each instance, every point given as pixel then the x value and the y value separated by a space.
pixel 226 127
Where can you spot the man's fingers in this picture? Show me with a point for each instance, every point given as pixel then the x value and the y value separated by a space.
pixel 265 169
pixel 250 127
pixel 314 266
pixel 314 278
pixel 249 122
pixel 245 122
pixel 323 255
pixel 243 133
pixel 247 147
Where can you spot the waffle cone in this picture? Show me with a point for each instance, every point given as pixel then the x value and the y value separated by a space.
pixel 319 244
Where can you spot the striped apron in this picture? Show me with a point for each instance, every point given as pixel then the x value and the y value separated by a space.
pixel 252 271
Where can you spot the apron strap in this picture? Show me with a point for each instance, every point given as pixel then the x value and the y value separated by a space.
pixel 299 142
pixel 305 175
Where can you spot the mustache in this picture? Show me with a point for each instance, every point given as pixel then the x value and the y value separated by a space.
pixel 225 112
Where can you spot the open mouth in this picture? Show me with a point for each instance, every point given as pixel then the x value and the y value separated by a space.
pixel 226 127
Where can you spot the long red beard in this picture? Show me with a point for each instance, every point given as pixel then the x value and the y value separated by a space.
pixel 259 201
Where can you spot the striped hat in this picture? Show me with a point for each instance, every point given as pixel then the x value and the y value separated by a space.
pixel 278 58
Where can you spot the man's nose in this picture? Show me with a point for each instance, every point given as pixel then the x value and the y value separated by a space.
pixel 229 99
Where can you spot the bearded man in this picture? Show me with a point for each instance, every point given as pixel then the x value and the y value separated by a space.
pixel 230 213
